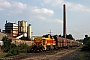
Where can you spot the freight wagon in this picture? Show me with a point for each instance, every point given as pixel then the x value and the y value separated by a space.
pixel 63 42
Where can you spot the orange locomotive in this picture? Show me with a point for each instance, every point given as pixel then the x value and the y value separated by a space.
pixel 46 41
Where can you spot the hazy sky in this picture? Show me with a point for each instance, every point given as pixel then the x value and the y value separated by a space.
pixel 44 15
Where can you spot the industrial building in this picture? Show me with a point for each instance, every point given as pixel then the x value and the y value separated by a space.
pixel 18 31
pixel 24 31
pixel 22 27
pixel 11 29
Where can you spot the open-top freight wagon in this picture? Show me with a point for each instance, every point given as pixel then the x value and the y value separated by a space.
pixel 63 42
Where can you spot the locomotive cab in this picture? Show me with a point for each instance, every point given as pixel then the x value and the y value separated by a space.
pixel 48 42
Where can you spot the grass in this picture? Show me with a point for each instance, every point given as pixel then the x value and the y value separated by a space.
pixel 84 55
pixel 3 55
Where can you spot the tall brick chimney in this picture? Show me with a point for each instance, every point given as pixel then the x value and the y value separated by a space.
pixel 64 21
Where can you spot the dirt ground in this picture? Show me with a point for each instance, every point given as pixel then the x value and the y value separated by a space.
pixel 66 54
pixel 62 54
pixel 71 56
pixel 76 55
pixel 56 55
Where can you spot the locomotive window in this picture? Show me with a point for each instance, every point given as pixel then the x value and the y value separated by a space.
pixel 46 36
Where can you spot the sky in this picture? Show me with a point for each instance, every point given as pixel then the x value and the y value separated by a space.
pixel 44 15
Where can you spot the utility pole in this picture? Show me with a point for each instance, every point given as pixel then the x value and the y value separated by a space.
pixel 50 32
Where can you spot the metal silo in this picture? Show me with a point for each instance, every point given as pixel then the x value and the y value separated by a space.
pixel 22 26
pixel 29 31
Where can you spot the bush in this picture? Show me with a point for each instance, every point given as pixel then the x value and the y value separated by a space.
pixel 23 51
pixel 23 46
pixel 68 47
pixel 13 51
pixel 86 48
pixel 30 49
pixel 13 46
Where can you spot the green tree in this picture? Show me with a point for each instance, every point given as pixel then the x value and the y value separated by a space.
pixel 85 39
pixel 7 44
pixel 86 43
pixel 70 37
pixel 23 46
pixel 60 35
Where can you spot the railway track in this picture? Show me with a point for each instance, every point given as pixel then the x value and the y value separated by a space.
pixel 48 55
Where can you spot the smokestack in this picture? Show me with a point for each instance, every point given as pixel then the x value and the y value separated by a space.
pixel 64 21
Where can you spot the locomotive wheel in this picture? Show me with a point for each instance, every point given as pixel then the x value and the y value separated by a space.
pixel 36 49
